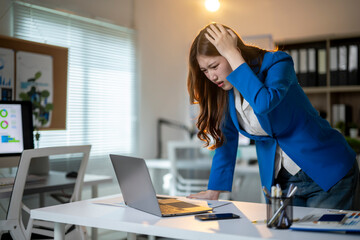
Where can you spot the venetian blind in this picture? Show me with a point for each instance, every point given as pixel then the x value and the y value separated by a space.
pixel 101 106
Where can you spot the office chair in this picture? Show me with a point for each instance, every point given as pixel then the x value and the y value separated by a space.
pixel 14 221
pixel 189 167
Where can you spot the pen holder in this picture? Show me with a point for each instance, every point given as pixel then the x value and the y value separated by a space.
pixel 279 212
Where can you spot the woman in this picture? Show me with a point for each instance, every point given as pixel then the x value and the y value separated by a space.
pixel 247 90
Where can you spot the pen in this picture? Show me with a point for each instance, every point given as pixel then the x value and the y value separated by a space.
pixel 284 216
pixel 273 191
pixel 267 194
pixel 278 191
pixel 291 187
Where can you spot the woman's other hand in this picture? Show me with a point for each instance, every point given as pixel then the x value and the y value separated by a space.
pixel 208 194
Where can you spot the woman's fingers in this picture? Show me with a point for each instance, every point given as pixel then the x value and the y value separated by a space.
pixel 215 29
pixel 221 28
pixel 199 195
pixel 208 37
pixel 211 33
pixel 209 194
pixel 232 34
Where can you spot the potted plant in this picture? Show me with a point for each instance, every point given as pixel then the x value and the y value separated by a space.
pixel 41 114
pixel 341 127
pixel 41 106
pixel 353 130
pixel 354 144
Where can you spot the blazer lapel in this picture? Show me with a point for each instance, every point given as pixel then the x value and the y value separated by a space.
pixel 234 118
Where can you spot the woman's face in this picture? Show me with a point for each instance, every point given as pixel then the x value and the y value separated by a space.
pixel 216 69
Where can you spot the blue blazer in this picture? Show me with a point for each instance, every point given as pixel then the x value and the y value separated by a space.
pixel 287 116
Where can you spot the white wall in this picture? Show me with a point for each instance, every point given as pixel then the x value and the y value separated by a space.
pixel 5 16
pixel 165 29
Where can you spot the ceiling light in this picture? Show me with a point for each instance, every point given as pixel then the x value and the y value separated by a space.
pixel 212 5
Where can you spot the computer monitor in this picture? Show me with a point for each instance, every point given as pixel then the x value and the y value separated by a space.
pixel 16 131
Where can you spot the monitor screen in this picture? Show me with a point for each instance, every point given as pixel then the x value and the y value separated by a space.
pixel 16 127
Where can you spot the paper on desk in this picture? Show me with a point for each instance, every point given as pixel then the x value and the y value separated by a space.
pixel 117 202
pixel 309 222
pixel 216 203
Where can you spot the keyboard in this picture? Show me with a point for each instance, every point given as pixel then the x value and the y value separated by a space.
pixel 179 204
pixel 179 207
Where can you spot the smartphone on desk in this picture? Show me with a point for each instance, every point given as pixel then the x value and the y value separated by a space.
pixel 216 216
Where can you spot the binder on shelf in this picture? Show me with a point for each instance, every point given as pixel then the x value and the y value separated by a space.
pixel 321 67
pixel 343 69
pixel 295 56
pixel 303 68
pixel 354 65
pixel 311 76
pixel 334 74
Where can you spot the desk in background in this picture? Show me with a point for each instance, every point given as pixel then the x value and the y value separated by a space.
pixel 188 165
pixel 245 175
pixel 56 181
pixel 133 221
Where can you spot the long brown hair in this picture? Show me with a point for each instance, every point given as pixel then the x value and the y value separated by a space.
pixel 213 101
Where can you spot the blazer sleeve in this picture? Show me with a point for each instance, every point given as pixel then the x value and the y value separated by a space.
pixel 223 163
pixel 264 93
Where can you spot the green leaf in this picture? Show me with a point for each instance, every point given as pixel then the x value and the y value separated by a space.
pixel 32 90
pixel 37 136
pixel 45 93
pixel 37 75
pixel 36 104
pixel 23 96
pixel 42 120
pixel 49 107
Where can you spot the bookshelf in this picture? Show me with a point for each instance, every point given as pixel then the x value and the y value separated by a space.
pixel 328 70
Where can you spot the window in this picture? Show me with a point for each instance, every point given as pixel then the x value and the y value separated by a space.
pixel 101 105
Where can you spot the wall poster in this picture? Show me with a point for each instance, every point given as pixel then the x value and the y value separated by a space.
pixel 6 74
pixel 34 82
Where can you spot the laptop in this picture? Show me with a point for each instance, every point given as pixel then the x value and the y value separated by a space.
pixel 138 191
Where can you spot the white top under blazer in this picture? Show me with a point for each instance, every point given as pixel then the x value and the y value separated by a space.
pixel 249 122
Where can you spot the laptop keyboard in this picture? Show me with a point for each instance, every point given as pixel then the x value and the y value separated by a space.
pixel 169 207
pixel 179 205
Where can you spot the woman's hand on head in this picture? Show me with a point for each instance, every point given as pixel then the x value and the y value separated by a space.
pixel 225 41
pixel 208 194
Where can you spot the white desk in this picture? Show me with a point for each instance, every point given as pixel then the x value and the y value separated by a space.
pixel 131 220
